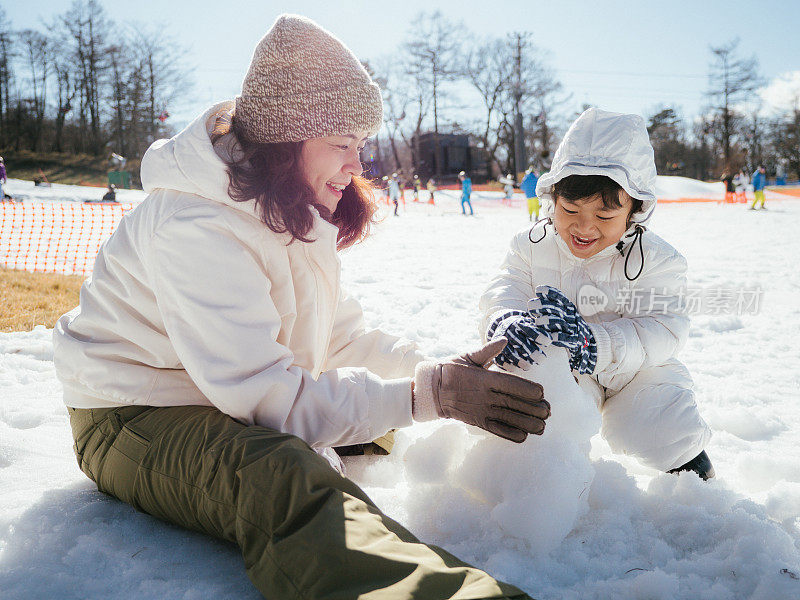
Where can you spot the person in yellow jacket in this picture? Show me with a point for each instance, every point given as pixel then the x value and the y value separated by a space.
pixel 759 183
pixel 528 185
pixel 215 361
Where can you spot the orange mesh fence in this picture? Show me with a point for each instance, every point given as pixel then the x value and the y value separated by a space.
pixel 55 237
pixel 788 191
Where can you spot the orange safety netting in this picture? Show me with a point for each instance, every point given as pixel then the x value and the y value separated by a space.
pixel 56 237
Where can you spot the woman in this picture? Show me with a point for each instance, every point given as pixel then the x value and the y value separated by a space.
pixel 214 359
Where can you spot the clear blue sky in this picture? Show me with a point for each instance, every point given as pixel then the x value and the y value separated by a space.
pixel 629 56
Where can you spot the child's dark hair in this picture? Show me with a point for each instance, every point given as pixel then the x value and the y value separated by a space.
pixel 578 187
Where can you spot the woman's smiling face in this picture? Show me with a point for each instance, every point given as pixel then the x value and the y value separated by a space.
pixel 587 226
pixel 330 163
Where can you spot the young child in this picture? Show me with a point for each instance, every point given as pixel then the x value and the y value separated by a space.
pixel 594 250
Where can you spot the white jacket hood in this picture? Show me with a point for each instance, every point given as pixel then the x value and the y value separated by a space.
pixel 605 143
pixel 188 163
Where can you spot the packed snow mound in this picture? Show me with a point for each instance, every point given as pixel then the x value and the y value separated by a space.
pixel 495 484
pixel 670 187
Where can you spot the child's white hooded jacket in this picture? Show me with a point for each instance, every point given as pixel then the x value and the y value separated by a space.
pixel 194 301
pixel 635 311
pixel 636 320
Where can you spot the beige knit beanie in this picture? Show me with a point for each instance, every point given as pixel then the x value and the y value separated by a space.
pixel 304 83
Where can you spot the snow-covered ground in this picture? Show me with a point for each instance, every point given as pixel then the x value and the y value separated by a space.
pixel 607 528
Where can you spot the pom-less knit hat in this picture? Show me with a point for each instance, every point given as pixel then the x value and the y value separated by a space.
pixel 304 83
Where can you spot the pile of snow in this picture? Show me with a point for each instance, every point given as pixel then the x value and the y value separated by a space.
pixel 674 188
pixel 461 484
pixel 558 515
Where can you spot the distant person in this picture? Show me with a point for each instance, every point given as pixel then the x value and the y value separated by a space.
pixel 466 191
pixel 385 189
pixel 3 179
pixel 741 181
pixel 111 194
pixel 394 192
pixel 759 183
pixel 431 187
pixel 417 187
pixel 730 189
pixel 528 186
pixel 508 188
pixel 780 174
pixel 401 184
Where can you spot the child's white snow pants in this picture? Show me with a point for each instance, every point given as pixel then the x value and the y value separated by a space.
pixel 654 417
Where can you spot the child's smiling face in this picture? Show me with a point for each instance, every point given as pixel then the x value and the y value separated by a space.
pixel 587 226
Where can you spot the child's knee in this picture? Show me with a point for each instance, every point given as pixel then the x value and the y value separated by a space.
pixel 656 424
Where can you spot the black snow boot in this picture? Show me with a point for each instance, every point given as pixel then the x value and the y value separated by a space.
pixel 700 464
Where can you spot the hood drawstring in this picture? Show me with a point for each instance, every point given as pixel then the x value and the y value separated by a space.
pixel 544 229
pixel 637 236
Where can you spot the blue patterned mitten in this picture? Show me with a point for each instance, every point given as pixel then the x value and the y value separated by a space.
pixel 525 339
pixel 558 318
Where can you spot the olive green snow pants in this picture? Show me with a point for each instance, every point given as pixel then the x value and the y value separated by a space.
pixel 305 531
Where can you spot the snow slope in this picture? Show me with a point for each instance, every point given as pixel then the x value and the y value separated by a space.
pixel 630 532
pixel 671 187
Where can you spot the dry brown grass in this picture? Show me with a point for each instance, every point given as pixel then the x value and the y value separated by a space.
pixel 30 299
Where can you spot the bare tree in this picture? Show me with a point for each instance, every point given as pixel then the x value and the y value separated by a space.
pixel 486 67
pixel 6 53
pixel 87 28
pixel 66 89
pixel 119 76
pixel 785 132
pixel 511 78
pixel 433 50
pixel 37 53
pixel 396 103
pixel 731 78
pixel 754 136
pixel 668 138
pixel 160 65
pixel 543 108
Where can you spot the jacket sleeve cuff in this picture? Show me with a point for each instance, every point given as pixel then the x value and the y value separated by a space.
pixel 423 405
pixel 389 404
pixel 603 342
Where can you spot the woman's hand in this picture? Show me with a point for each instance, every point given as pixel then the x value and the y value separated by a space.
pixel 461 387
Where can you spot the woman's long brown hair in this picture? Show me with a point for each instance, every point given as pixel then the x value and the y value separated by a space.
pixel 270 174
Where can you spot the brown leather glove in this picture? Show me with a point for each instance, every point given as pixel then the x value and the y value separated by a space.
pixel 461 387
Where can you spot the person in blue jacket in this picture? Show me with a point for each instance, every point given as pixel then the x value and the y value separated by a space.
pixel 528 185
pixel 759 183
pixel 466 190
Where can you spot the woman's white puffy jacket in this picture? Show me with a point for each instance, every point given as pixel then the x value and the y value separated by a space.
pixel 194 301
